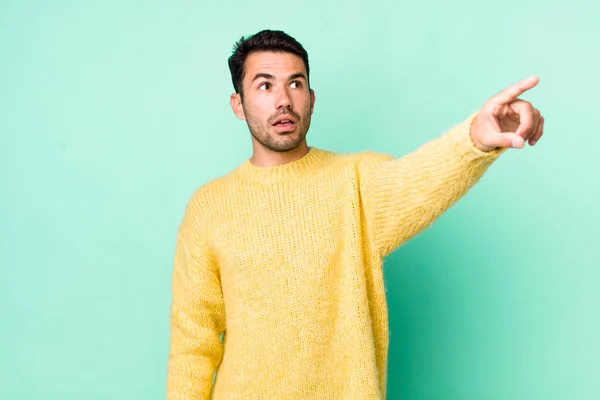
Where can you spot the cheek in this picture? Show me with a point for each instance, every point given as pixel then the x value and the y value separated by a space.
pixel 256 116
pixel 303 101
pixel 259 109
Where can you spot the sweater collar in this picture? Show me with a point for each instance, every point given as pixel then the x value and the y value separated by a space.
pixel 305 166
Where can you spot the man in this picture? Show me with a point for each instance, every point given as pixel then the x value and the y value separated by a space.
pixel 283 255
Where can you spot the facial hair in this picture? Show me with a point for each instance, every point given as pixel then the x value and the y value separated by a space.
pixel 279 142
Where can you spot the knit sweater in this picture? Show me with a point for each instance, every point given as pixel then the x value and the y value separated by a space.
pixel 286 262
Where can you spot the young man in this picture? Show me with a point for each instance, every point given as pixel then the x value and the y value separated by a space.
pixel 283 255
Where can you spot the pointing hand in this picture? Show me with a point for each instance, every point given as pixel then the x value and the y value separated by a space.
pixel 507 121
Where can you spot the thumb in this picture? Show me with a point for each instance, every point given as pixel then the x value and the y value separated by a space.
pixel 507 139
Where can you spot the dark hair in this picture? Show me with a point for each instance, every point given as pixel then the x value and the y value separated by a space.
pixel 265 40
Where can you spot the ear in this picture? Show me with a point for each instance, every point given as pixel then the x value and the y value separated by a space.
pixel 236 105
pixel 312 100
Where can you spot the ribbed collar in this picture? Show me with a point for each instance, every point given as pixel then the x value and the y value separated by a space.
pixel 304 167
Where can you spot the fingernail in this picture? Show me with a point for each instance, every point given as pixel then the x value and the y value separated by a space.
pixel 516 142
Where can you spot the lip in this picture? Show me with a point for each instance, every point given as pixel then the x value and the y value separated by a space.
pixel 287 127
pixel 282 117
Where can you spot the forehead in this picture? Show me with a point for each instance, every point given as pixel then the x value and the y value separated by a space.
pixel 273 63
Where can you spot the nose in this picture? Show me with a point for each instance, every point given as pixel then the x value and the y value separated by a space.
pixel 283 100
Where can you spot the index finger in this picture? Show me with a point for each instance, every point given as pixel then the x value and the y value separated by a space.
pixel 512 92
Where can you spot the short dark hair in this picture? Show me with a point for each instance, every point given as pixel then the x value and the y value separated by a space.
pixel 265 40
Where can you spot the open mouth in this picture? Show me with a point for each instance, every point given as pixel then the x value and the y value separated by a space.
pixel 284 123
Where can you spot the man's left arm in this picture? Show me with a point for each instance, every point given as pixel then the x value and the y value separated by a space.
pixel 404 196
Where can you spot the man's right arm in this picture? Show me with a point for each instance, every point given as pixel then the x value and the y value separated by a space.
pixel 197 315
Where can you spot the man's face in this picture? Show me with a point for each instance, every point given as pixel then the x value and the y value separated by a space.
pixel 277 103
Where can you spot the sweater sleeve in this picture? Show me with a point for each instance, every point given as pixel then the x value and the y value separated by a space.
pixel 197 316
pixel 401 197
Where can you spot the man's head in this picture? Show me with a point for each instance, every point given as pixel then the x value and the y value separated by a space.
pixel 270 75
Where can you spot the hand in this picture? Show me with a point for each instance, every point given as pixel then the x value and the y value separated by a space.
pixel 506 121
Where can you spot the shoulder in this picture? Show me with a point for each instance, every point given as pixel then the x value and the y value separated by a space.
pixel 367 160
pixel 201 203
pixel 205 196
pixel 366 157
pixel 371 157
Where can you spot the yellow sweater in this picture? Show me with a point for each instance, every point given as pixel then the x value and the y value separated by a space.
pixel 286 261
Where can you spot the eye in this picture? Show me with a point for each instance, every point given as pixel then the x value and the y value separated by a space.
pixel 297 84
pixel 264 86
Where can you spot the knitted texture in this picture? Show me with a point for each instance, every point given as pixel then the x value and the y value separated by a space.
pixel 286 261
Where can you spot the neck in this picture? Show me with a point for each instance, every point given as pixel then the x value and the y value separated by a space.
pixel 263 157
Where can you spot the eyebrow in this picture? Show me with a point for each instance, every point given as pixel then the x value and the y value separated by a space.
pixel 269 76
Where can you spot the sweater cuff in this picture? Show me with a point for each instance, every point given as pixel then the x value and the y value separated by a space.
pixel 466 145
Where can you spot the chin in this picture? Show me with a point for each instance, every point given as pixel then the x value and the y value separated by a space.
pixel 286 145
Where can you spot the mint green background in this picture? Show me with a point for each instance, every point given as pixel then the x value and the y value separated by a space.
pixel 112 113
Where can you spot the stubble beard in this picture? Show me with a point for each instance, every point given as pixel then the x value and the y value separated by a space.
pixel 278 142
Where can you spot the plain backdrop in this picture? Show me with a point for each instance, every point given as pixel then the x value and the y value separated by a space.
pixel 113 112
